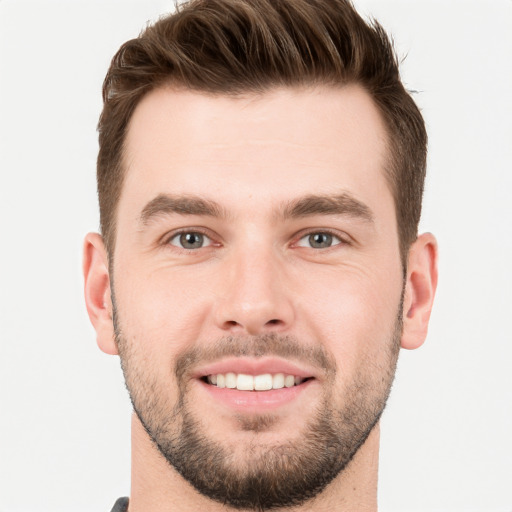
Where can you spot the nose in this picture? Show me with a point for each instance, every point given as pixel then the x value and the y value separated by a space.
pixel 254 297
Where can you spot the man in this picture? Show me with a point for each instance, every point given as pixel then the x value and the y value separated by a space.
pixel 260 176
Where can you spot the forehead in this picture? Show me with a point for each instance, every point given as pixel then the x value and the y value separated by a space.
pixel 262 148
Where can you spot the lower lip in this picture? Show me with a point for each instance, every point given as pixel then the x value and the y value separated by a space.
pixel 256 401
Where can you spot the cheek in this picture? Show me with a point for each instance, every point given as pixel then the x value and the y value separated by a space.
pixel 353 313
pixel 162 311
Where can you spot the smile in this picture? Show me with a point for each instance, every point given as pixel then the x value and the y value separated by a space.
pixel 256 385
pixel 245 382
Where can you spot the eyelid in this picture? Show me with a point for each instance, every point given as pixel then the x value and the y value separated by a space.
pixel 166 239
pixel 343 238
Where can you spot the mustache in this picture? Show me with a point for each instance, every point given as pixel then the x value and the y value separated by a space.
pixel 265 345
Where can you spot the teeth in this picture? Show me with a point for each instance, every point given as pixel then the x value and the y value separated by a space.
pixel 244 382
pixel 289 381
pixel 262 382
pixel 231 380
pixel 278 381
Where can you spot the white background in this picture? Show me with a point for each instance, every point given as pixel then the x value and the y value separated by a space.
pixel 64 413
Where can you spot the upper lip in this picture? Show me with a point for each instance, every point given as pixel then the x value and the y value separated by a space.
pixel 252 366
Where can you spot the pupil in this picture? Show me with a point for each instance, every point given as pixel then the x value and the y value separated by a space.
pixel 320 240
pixel 191 240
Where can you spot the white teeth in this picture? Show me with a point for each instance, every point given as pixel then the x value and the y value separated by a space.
pixel 231 380
pixel 289 381
pixel 263 382
pixel 245 382
pixel 278 381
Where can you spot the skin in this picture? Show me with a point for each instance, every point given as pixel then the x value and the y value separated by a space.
pixel 254 156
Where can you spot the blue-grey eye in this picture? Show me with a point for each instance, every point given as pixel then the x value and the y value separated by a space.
pixel 319 240
pixel 190 240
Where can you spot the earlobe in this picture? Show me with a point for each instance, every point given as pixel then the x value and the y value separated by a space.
pixel 97 292
pixel 420 289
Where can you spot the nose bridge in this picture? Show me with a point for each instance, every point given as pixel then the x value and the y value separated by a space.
pixel 254 299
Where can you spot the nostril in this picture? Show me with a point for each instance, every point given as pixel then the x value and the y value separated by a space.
pixel 253 327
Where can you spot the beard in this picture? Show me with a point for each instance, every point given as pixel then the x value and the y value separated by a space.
pixel 261 475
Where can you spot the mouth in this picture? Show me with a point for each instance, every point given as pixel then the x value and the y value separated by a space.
pixel 247 382
pixel 256 385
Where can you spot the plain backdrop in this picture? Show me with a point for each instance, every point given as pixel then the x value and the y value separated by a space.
pixel 64 413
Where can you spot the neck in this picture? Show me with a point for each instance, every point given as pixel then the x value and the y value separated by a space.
pixel 156 486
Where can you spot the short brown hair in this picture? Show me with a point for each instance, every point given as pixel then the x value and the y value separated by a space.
pixel 232 47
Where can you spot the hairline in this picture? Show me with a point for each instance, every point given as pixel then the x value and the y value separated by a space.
pixel 390 157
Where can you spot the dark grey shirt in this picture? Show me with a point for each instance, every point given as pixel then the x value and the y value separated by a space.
pixel 121 505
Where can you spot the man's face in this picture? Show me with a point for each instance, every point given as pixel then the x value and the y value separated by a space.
pixel 257 245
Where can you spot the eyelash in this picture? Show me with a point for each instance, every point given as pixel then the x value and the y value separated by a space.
pixel 171 236
pixel 342 240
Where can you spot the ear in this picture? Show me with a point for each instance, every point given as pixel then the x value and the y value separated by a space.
pixel 97 292
pixel 420 289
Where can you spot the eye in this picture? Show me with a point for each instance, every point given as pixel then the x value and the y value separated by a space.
pixel 319 240
pixel 190 240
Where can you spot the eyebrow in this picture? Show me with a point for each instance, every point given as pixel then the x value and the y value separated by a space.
pixel 165 204
pixel 341 204
pixel 308 206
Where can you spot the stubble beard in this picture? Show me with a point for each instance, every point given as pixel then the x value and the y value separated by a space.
pixel 275 475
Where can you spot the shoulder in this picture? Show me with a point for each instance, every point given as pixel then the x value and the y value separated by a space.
pixel 121 505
